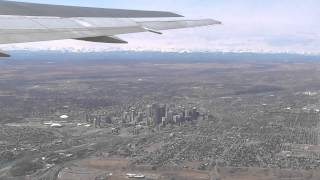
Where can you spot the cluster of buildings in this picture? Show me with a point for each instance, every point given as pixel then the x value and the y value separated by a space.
pixel 155 115
pixel 160 115
pixel 98 121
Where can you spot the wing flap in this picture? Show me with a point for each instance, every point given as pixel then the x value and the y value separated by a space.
pixel 104 39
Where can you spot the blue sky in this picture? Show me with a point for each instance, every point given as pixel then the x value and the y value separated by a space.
pixel 249 25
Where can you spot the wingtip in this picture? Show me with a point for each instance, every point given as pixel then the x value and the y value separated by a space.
pixel 215 21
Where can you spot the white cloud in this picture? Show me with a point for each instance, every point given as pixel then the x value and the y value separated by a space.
pixel 199 39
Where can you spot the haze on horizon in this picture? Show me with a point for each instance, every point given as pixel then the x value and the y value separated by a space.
pixel 248 26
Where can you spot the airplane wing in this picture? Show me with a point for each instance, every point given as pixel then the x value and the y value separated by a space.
pixel 28 22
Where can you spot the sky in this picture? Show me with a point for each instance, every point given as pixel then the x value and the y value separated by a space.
pixel 289 26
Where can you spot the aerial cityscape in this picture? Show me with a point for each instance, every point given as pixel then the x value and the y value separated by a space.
pixel 107 117
pixel 161 90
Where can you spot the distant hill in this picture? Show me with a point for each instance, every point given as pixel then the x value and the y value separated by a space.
pixel 155 57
